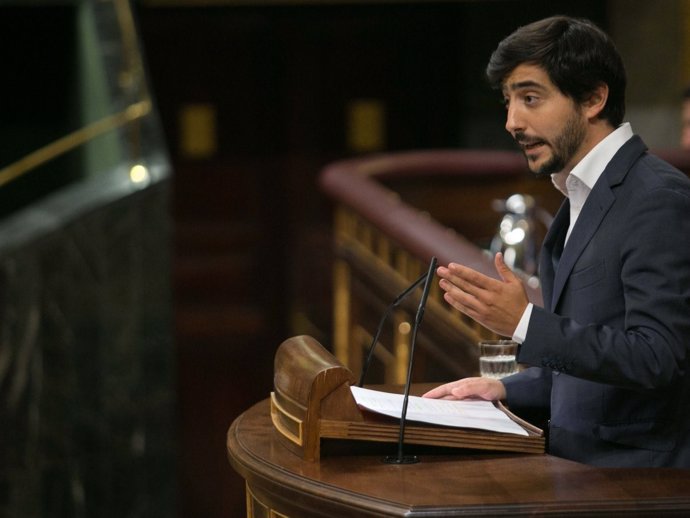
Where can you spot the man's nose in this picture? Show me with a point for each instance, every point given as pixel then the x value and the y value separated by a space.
pixel 513 120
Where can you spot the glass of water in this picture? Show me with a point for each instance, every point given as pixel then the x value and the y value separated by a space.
pixel 497 358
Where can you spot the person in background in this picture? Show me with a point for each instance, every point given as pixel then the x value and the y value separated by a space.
pixel 685 120
pixel 607 355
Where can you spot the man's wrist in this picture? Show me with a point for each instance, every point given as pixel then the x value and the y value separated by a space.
pixel 520 333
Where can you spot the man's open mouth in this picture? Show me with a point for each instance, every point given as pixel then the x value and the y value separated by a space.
pixel 528 146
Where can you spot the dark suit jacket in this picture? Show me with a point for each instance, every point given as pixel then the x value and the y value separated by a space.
pixel 610 349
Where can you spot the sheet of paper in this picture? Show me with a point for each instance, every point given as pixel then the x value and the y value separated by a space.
pixel 482 415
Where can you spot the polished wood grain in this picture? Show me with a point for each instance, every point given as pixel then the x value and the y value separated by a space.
pixel 352 481
pixel 312 402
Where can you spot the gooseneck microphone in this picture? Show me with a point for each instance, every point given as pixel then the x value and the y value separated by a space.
pixel 385 316
pixel 400 458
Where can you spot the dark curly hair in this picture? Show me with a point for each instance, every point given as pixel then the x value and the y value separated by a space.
pixel 575 53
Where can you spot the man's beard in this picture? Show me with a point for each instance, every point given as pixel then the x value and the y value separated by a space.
pixel 564 146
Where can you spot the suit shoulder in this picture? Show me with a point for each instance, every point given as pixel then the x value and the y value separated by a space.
pixel 656 173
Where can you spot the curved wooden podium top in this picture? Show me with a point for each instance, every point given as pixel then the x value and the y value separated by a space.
pixel 350 481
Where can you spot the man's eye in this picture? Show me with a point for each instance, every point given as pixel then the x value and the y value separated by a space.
pixel 530 99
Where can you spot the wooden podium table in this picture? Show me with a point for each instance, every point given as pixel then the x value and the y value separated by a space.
pixel 351 480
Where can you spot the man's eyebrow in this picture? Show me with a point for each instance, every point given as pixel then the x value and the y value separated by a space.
pixel 521 85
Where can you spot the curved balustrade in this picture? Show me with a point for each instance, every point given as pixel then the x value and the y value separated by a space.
pixel 393 213
pixel 385 234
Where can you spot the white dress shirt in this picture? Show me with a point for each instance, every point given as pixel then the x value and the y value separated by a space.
pixel 576 186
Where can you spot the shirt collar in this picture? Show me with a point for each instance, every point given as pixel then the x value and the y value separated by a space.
pixel 589 169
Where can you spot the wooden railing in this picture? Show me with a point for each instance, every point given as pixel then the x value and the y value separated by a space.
pixel 392 214
pixel 387 228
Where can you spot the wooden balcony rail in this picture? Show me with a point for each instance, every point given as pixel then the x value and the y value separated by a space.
pixel 393 212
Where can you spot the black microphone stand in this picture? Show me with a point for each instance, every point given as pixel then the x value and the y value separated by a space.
pixel 388 311
pixel 400 458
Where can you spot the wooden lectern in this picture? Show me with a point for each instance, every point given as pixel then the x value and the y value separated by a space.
pixel 312 401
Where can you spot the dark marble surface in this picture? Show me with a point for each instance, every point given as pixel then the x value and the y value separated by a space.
pixel 86 353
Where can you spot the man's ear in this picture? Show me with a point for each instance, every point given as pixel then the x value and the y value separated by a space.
pixel 596 101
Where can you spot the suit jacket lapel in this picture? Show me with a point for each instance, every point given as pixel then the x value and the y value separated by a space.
pixel 595 208
pixel 552 250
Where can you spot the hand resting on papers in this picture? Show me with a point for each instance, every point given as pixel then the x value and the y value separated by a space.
pixel 488 389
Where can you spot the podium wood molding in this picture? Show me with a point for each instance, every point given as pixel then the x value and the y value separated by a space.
pixel 355 483
pixel 310 384
pixel 312 402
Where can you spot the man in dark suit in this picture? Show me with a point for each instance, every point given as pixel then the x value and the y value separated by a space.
pixel 608 355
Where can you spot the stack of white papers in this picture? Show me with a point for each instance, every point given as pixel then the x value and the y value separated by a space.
pixel 481 415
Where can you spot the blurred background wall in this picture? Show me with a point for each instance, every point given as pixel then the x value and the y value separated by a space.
pixel 254 98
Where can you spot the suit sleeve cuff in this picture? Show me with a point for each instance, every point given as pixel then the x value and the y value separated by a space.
pixel 521 330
